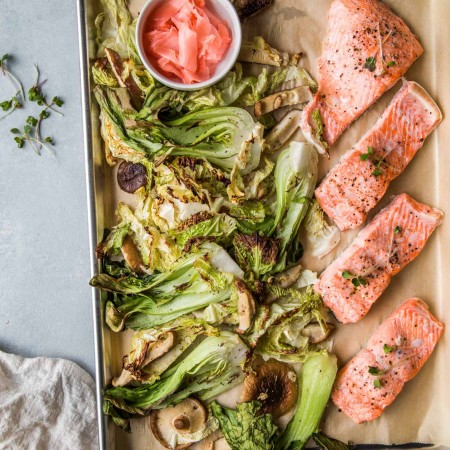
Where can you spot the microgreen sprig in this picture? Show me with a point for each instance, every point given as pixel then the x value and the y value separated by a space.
pixel 10 105
pixel 378 162
pixel 371 61
pixel 35 95
pixel 15 102
pixel 388 348
pixel 12 78
pixel 356 280
pixel 377 373
pixel 28 134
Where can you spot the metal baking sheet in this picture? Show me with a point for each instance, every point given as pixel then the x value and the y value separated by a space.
pixel 304 23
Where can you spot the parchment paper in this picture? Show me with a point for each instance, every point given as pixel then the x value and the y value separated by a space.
pixel 421 413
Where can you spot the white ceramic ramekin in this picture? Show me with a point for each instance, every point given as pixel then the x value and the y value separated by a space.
pixel 225 10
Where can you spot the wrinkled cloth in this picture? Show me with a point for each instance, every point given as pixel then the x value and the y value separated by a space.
pixel 46 404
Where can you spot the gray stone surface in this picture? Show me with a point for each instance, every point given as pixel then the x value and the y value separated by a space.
pixel 45 305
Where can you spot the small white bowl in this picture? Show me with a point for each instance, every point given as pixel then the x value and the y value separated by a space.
pixel 225 10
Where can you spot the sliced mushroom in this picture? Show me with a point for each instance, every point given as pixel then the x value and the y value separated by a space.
pixel 134 364
pixel 131 254
pixel 160 347
pixel 221 444
pixel 248 8
pixel 315 333
pixel 300 94
pixel 169 424
pixel 283 131
pixel 288 277
pixel 131 176
pixel 274 384
pixel 115 60
pixel 246 306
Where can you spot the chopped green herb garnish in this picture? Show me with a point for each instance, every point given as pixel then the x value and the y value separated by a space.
pixel 359 281
pixel 376 371
pixel 390 64
pixel 388 348
pixel 371 63
pixel 377 383
pixel 366 156
pixel 377 172
pixel 397 230
pixel 356 280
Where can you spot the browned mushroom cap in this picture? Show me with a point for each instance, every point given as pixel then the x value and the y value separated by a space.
pixel 274 384
pixel 131 255
pixel 116 62
pixel 131 176
pixel 169 424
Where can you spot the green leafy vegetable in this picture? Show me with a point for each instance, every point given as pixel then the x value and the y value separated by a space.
pixel 256 254
pixel 316 381
pixel 244 428
pixel 138 364
pixel 322 236
pixel 295 180
pixel 212 367
pixel 260 52
pixel 319 129
pixel 284 338
pixel 116 29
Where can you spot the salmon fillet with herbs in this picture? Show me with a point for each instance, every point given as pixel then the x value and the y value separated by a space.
pixel 395 353
pixel 367 50
pixel 353 282
pixel 360 179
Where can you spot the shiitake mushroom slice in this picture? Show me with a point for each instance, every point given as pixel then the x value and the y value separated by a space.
pixel 274 384
pixel 131 176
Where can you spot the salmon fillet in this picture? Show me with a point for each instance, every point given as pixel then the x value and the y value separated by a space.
pixel 397 234
pixel 395 353
pixel 349 80
pixel 359 181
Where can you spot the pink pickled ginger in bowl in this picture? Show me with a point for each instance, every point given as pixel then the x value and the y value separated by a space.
pixel 188 44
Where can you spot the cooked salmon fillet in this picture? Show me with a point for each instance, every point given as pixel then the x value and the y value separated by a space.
pixel 394 355
pixel 353 71
pixel 397 234
pixel 360 179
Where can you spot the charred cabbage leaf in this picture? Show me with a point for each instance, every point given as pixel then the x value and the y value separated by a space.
pixel 256 254
pixel 295 180
pixel 322 236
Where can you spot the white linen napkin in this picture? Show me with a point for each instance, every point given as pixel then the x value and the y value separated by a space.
pixel 46 404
